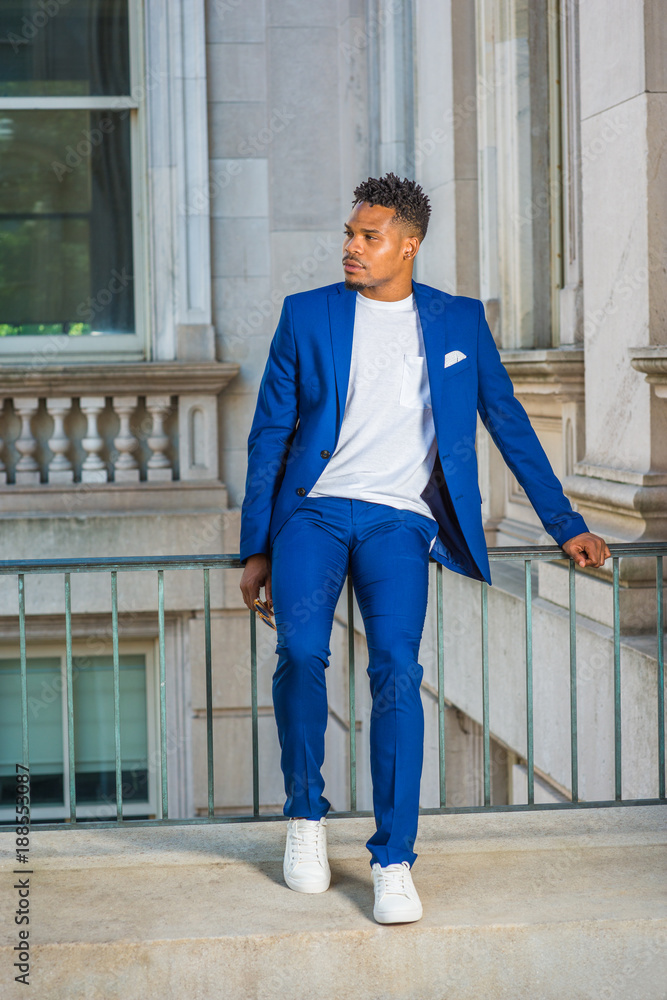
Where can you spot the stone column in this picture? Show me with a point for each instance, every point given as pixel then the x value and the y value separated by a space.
pixel 446 143
pixel 512 110
pixel 621 485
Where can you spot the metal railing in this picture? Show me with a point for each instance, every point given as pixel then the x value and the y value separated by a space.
pixel 158 565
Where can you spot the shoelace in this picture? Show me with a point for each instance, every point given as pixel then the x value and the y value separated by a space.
pixel 393 878
pixel 305 840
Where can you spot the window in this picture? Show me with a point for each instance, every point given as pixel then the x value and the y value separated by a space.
pixel 527 119
pixel 94 744
pixel 70 193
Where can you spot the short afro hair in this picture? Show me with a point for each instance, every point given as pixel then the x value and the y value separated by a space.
pixel 406 197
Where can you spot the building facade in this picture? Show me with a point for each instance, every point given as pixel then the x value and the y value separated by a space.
pixel 169 171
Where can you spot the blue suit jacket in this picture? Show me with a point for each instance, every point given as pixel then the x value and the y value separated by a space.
pixel 302 400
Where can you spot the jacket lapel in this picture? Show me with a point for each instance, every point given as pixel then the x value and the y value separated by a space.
pixel 342 306
pixel 434 320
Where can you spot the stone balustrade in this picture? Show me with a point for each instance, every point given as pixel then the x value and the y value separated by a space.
pixel 110 423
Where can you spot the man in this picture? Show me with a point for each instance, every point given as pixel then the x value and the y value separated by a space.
pixel 360 455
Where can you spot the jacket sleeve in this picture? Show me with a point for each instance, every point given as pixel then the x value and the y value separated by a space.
pixel 270 436
pixel 509 426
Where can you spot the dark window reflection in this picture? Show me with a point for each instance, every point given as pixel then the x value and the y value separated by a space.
pixel 64 47
pixel 65 223
pixel 94 731
pixel 100 786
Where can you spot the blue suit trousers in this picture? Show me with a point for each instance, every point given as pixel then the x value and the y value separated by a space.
pixel 387 553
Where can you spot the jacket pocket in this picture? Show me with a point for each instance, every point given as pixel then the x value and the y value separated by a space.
pixel 456 369
pixel 415 391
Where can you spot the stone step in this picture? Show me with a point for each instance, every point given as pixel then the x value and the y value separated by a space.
pixel 560 905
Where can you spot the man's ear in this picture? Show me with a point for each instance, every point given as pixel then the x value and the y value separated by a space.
pixel 410 248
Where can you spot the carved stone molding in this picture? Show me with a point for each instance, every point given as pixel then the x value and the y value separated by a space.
pixel 117 378
pixel 652 361
pixel 557 372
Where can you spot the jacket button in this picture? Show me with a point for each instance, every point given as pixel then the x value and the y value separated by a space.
pixel 325 454
pixel 301 491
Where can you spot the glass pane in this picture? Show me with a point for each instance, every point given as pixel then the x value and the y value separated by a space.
pixel 65 223
pixel 44 727
pixel 94 729
pixel 64 48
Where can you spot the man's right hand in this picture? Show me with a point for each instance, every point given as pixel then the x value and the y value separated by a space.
pixel 256 574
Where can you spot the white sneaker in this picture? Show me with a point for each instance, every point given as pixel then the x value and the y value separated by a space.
pixel 306 868
pixel 396 899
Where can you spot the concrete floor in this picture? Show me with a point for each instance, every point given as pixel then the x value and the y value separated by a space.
pixel 568 904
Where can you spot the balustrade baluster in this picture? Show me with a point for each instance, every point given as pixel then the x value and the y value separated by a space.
pixel 27 468
pixel 93 469
pixel 60 467
pixel 159 465
pixel 3 470
pixel 126 469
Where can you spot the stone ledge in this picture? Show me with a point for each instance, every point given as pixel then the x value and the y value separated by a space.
pixel 609 474
pixel 111 378
pixel 126 500
pixel 263 840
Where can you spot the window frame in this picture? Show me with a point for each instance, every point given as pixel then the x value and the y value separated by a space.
pixel 151 805
pixel 61 348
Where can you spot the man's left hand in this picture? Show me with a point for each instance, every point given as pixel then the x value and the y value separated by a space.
pixel 587 549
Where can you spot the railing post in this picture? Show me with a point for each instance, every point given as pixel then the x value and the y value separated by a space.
pixel 440 633
pixel 351 693
pixel 574 752
pixel 486 737
pixel 528 583
pixel 116 696
pixel 71 756
pixel 209 692
pixel 25 742
pixel 163 696
pixel 661 677
pixel 618 779
pixel 253 711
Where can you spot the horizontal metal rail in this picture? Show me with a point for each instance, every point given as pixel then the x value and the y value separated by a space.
pixel 11 567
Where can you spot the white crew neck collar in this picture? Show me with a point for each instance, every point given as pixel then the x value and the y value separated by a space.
pixel 397 305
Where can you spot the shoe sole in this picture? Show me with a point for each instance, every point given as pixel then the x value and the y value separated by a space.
pixel 310 887
pixel 407 917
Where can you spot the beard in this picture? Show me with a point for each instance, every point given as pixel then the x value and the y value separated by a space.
pixel 355 286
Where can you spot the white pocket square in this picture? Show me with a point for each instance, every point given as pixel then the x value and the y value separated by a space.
pixel 453 357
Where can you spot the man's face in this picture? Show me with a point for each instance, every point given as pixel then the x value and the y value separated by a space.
pixel 375 248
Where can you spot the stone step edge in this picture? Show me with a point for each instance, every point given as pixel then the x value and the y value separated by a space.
pixel 448 835
pixel 658 924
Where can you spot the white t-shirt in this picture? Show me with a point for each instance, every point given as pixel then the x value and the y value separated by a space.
pixel 387 444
